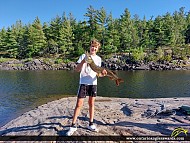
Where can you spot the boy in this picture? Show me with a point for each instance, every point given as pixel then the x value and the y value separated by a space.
pixel 87 87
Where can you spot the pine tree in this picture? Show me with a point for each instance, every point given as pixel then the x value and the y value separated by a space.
pixel 143 33
pixel 55 26
pixel 151 42
pixel 37 39
pixel 92 21
pixel 168 27
pixel 112 36
pixel 80 41
pixel 187 31
pixel 102 21
pixel 23 43
pixel 125 31
pixel 159 32
pixel 179 30
pixel 12 45
pixel 3 42
pixel 134 32
pixel 65 37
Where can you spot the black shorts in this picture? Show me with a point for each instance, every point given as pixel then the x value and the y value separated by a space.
pixel 87 90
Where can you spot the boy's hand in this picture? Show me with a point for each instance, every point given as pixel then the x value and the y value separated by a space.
pixel 86 58
pixel 104 72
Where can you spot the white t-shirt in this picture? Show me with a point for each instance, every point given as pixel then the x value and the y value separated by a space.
pixel 87 75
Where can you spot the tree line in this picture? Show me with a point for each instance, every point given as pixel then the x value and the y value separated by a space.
pixel 162 38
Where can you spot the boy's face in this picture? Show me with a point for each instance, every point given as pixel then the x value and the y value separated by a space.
pixel 93 49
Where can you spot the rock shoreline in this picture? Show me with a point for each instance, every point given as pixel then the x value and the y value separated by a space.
pixel 114 63
pixel 113 116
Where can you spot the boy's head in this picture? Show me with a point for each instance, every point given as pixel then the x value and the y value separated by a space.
pixel 95 43
pixel 94 46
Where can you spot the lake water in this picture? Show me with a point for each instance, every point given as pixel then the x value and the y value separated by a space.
pixel 21 91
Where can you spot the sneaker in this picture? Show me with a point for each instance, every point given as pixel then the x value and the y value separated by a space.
pixel 71 131
pixel 93 128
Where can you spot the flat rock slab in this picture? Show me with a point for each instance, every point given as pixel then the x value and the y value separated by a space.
pixel 113 116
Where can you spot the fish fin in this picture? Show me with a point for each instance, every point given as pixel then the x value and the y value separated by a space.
pixel 98 74
pixel 118 81
pixel 113 72
pixel 111 78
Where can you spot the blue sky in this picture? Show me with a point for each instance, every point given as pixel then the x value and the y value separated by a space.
pixel 28 10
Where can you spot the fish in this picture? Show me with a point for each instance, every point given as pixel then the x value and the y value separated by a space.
pixel 111 74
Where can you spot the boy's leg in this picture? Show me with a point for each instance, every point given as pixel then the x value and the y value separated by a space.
pixel 80 99
pixel 78 106
pixel 92 96
pixel 92 92
pixel 91 107
pixel 91 126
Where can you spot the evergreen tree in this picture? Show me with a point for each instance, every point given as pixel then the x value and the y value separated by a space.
pixel 125 31
pixel 92 22
pixel 55 26
pixel 102 21
pixel 187 31
pixel 18 30
pixel 168 27
pixel 72 20
pixel 65 37
pixel 37 39
pixel 134 32
pixel 112 36
pixel 151 42
pixel 23 43
pixel 143 33
pixel 12 45
pixel 80 41
pixel 46 30
pixel 3 42
pixel 159 31
pixel 179 30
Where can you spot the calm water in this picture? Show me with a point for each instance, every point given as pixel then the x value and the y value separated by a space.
pixel 21 91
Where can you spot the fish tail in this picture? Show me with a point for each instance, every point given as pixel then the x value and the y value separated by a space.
pixel 118 81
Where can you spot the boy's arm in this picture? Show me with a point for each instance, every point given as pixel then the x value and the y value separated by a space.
pixel 103 73
pixel 79 66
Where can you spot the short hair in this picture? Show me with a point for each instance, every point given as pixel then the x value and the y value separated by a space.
pixel 95 42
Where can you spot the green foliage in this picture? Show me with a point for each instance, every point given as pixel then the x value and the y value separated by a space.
pixel 92 27
pixel 137 54
pixel 65 38
pixel 66 61
pixel 2 60
pixel 168 58
pixel 12 45
pixel 3 42
pixel 79 50
pixel 58 61
pixel 150 57
pixel 125 31
pixel 160 53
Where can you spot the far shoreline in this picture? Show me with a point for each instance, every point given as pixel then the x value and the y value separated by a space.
pixel 113 63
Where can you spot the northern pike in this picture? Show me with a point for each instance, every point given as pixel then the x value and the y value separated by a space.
pixel 111 74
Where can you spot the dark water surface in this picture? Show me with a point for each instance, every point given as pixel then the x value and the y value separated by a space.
pixel 21 91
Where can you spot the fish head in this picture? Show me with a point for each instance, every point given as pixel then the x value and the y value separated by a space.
pixel 88 58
